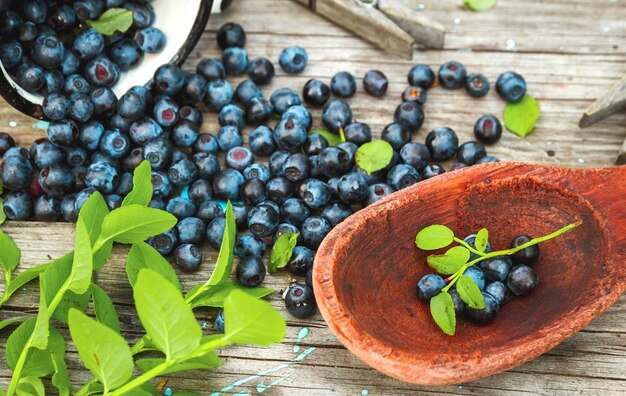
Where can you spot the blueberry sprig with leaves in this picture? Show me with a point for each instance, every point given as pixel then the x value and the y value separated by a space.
pixel 455 262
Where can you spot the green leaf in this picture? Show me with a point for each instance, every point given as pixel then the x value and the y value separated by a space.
pixel 30 386
pixel 37 363
pixel 39 338
pixel 25 277
pixel 9 253
pixel 224 263
pixel 141 194
pixel 3 216
pixel 442 311
pixel 434 237
pixel 373 156
pixel 55 275
pixel 60 378
pixel 469 292
pixel 9 322
pixel 332 138
pixel 142 255
pixel 71 300
pixel 450 262
pixel 135 223
pixel 165 315
pixel 282 250
pixel 215 295
pixel 482 237
pixel 480 5
pixel 102 350
pixel 82 267
pixel 520 118
pixel 252 321
pixel 104 309
pixel 93 213
pixel 206 362
pixel 112 20
pixel 101 256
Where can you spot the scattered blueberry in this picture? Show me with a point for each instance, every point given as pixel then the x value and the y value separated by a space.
pixel 293 59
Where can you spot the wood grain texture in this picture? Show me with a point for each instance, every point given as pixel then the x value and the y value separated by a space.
pixel 569 51
pixel 423 30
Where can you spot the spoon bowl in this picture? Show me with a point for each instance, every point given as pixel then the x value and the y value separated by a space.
pixel 367 268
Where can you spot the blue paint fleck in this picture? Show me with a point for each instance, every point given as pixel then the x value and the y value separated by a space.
pixel 185 192
pixel 303 333
pixel 365 392
pixel 261 387
pixel 41 125
pixel 460 386
pixel 168 392
pixel 204 324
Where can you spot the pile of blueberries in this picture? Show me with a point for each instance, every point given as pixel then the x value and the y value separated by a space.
pixel 496 277
pixel 50 50
pixel 307 186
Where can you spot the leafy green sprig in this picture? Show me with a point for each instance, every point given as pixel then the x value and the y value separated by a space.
pixel 456 260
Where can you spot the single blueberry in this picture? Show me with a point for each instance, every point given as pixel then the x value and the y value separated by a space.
pixel 316 92
pixel 249 245
pixel 511 87
pixel 452 75
pixel 470 152
pixel 293 60
pixel 429 286
pixel 477 85
pixel 527 255
pixel 165 243
pixel 421 76
pixel 250 271
pixel 261 71
pixel 300 301
pixel 488 129
pixel 377 191
pixel 314 230
pixel 235 61
pixel 343 85
pixel 231 35
pixel 188 257
pixel 402 176
pixel 375 83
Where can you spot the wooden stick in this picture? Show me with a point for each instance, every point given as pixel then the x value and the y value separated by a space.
pixel 621 159
pixel 609 104
pixel 424 30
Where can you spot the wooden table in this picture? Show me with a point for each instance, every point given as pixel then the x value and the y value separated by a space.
pixel 569 51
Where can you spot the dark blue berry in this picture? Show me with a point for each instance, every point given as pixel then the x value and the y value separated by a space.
pixel 165 111
pixel 11 53
pixel 471 240
pixel 200 190
pixel 257 171
pixel 263 220
pixel 296 167
pixel 44 154
pixel 184 134
pixel 253 192
pixel 235 61
pixel 410 114
pixel 314 144
pixel 402 176
pixel 182 173
pixel 27 33
pixel 219 93
pixel 375 83
pixel 35 11
pixel 452 75
pixel 343 85
pixel 191 230
pixel 277 160
pixel 396 134
pixel 415 154
pixel 334 161
pixel 258 110
pixel 208 165
pixel 301 113
pixel 104 102
pixel 470 152
pixel 126 54
pixel 132 105
pixel 294 211
pixel 229 137
pixel 261 71
pixel 250 271
pixel 336 115
pixel 527 255
pixel 498 290
pixel 194 89
pixel 278 189
pixel 144 130
pixel 358 133
pixel 248 245
pixel 181 207
pixel 442 143
pixel 219 322
pixel 192 114
pixel 485 315
pixel 76 156
pixel 30 77
pixel 63 132
pixel 421 76
pixel 6 142
pixel 56 106
pixel 486 159
pixel 16 172
pixel 102 176
pixel 459 305
pixel 429 286
pixel 477 85
pixel 9 22
pixel 232 115
pixel 209 210
pixel 378 191
pixel 17 205
pixel 143 14
pixel 215 231
pixel 352 188
pixel 206 143
pixel 488 129
pixel 47 208
pixel 211 69
pixel 164 243
pixel 113 201
pixel 316 92
pixel 188 257
pixel 226 184
pixel 477 275
pixel 289 133
pixel 47 51
pixel 231 35
pixel 101 72
pixel 76 83
pixel 522 280
pixel 511 87
pixel 336 212
pixel 262 141
pixel 53 81
pixel 68 210
pixel 284 98
pixel 81 107
pixel 169 79
pixel 70 63
pixel 114 143
pixel 315 193
pixel 293 59
pixel 150 40
pixel 314 230
pixel 82 196
pixel 301 260
pixel 247 90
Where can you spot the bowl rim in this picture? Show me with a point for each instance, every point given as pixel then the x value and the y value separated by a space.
pixel 11 92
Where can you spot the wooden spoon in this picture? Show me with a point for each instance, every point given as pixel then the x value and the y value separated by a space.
pixel 367 268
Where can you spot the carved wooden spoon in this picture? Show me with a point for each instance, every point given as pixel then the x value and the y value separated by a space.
pixel 367 268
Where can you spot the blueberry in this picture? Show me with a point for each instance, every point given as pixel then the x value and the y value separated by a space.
pixel 496 268
pixel 471 240
pixel 104 102
pixel 522 280
pixel 488 129
pixel 296 167
pixel 375 83
pixel 63 132
pixel 334 161
pixel 352 188
pixel 169 79
pixel 477 85
pixel 188 257
pixel 253 192
pixel 486 159
pixel 226 184
pixel 17 205
pixel 82 196
pixel 47 208
pixel 284 98
pixel 114 143
pixel 219 93
pixel 144 130
pixel 194 89
pixel 215 231
pixel 261 71
pixel 16 173
pixel 56 106
pixel 336 115
pixel 250 271
pixel 316 92
pixel 229 137
pixel 184 134
pixel 249 245
pixel 410 114
pixel 278 189
pixel 70 63
pixel 314 229
pixel 102 176
pixel 458 165
pixel 126 54
pixel 442 143
pixel 9 21
pixel 527 255
pixel 314 144
pixel 113 201
pixel 150 40
pixel 132 105
pixel 415 154
pixel 232 115
pixel 414 94
pixel 258 110
pixel 277 160
pixel 293 60
pixel 76 83
pixel 6 142
pixel 101 71
pixel 246 90
pixel 47 51
pixel 76 156
pixel 30 77
pixel 498 291
pixel 20 152
pixel 485 315
pixel 181 207
pixel 470 152
pixel 263 220
pixel 377 191
pixel 192 114
pixel 301 260
pixel 164 243
pixel 289 133
pixel 34 11
pixel 211 69
pixel 294 211
pixel 300 301
pixel 219 322
pixel 343 85
pixel 27 33
pixel 191 230
pixel 240 212
pixel 336 212
pixel 11 53
pixel 209 210
pixel 402 176
pixel 300 113
pixel 429 286
pixel 477 276
pixel 459 305
pixel 231 35
pixel 88 44
pixel 511 87
pixel 57 180
pixel 182 173
pixel 206 143
pixel 143 14
pixel 165 111
pixel 262 141
pixel 257 171
pixel 396 134
pixel 421 76
pixel 432 170
pixel 68 211
pixel 235 61
pixel 81 107
pixel 452 75
pixel 358 133
pixel 53 81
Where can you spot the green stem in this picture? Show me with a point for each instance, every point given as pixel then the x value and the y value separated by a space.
pixel 468 247
pixel 19 366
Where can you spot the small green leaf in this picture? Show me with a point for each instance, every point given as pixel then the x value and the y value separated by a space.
pixel 165 315
pixel 60 378
pixel 480 5
pixel 113 20
pixel 434 237
pixel 442 311
pixel 142 255
pixel 215 295
pixel 282 250
pixel 450 262
pixel 104 309
pixel 82 267
pixel 39 338
pixel 141 194
pixel 9 322
pixel 101 256
pixel 520 118
pixel 102 350
pixel 469 292
pixel 93 212
pixel 482 237
pixel 55 275
pixel 252 321
pixel 224 264
pixel 332 138
pixel 9 253
pixel 30 386
pixel 135 223
pixel 373 156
